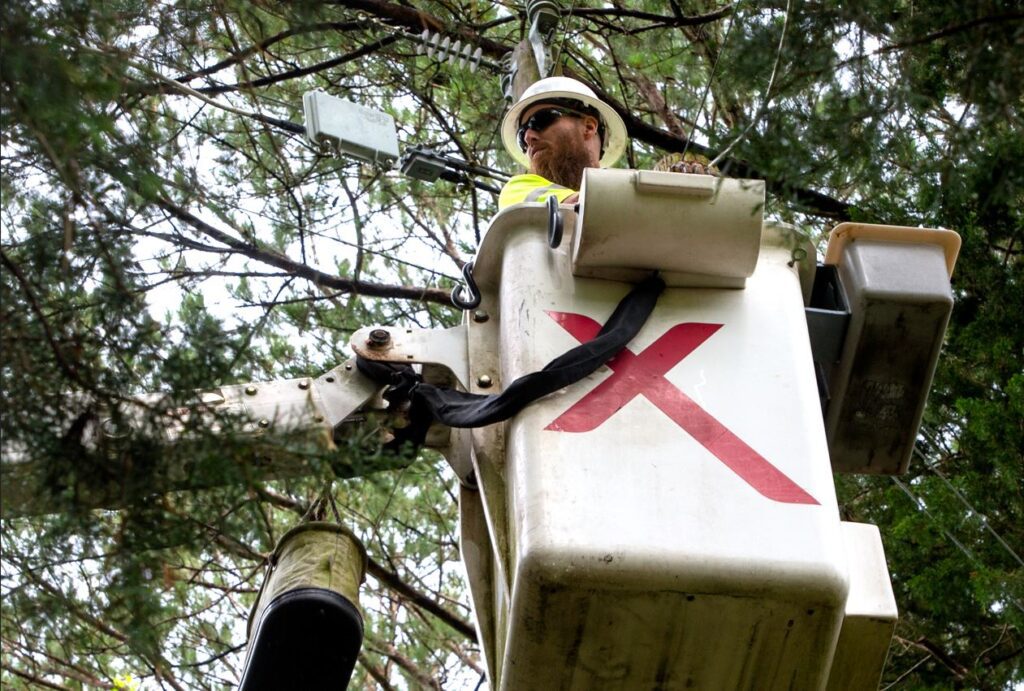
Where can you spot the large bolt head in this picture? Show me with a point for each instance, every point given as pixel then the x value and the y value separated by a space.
pixel 378 338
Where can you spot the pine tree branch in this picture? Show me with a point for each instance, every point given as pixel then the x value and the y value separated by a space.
pixel 1002 19
pixel 959 671
pixel 417 20
pixel 669 21
pixel 996 661
pixel 280 76
pixel 218 656
pixel 58 666
pixel 58 352
pixel 656 102
pixel 945 32
pixel 378 675
pixel 317 277
pixel 391 652
pixel 811 201
pixel 158 665
pixel 395 583
pixel 39 681
pixel 281 500
pixel 261 46
pixel 463 657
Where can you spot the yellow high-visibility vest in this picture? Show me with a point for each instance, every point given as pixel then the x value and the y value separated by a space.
pixel 530 188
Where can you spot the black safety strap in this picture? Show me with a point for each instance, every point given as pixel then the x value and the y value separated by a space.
pixel 461 409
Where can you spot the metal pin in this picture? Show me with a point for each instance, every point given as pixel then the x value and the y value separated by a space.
pixel 378 338
pixel 484 381
pixel 251 390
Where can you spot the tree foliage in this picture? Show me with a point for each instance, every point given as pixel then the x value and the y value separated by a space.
pixel 167 227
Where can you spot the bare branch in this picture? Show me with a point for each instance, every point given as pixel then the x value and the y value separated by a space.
pixel 239 56
pixel 675 20
pixel 391 652
pixel 315 276
pixel 39 681
pixel 417 20
pixel 58 352
pixel 395 583
pixel 377 674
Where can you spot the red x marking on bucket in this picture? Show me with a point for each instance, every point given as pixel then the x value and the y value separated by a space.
pixel 634 374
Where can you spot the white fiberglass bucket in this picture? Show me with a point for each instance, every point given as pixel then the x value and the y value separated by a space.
pixel 671 520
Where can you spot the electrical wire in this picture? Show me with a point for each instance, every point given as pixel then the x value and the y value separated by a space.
pixel 948 535
pixel 565 34
pixel 959 495
pixel 767 93
pixel 711 77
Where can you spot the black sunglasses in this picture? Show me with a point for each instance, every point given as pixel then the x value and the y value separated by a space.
pixel 540 121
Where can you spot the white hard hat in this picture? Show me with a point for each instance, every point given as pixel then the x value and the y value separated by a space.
pixel 560 89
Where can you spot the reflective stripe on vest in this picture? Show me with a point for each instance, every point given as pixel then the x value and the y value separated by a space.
pixel 536 194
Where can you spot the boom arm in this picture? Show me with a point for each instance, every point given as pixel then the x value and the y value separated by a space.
pixel 106 465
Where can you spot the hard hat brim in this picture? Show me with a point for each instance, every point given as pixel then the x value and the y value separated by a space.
pixel 614 127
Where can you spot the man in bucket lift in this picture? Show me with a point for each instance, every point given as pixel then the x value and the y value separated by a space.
pixel 556 129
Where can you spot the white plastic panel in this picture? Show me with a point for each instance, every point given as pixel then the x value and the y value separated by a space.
pixel 355 130
pixel 871 613
pixel 698 230
pixel 900 300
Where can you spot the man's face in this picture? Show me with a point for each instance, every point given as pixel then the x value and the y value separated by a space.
pixel 559 152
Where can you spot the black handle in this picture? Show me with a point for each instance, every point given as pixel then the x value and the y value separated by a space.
pixel 474 293
pixel 554 223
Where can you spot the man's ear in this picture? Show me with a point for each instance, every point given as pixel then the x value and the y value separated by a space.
pixel 590 125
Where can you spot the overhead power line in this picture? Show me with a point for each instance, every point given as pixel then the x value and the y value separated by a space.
pixel 963 500
pixel 949 536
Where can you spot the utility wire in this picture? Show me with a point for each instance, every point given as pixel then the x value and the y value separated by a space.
pixel 964 501
pixel 949 536
pixel 711 77
pixel 565 33
pixel 767 93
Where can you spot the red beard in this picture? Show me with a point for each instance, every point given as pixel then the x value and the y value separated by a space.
pixel 562 160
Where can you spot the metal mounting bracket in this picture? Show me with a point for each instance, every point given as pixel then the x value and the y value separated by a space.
pixel 444 347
